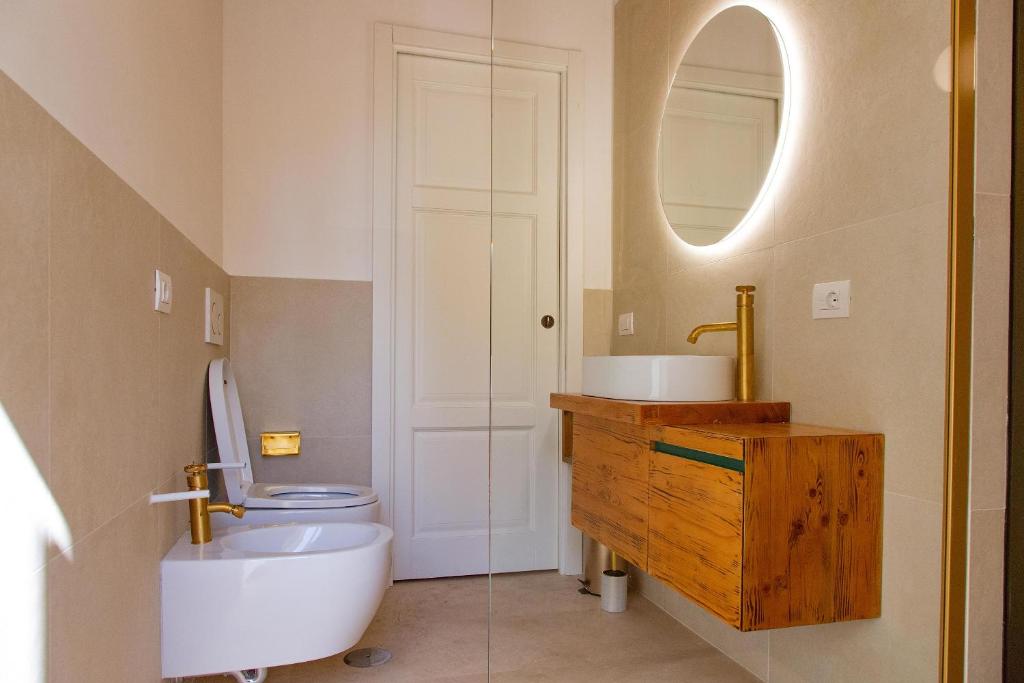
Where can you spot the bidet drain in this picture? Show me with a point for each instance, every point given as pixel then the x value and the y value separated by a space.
pixel 366 657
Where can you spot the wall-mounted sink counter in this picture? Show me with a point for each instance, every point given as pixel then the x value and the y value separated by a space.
pixel 672 413
pixel 764 523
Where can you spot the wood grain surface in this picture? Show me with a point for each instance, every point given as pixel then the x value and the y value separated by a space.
pixel 696 532
pixel 793 539
pixel 812 530
pixel 657 413
pixel 609 485
pixel 710 442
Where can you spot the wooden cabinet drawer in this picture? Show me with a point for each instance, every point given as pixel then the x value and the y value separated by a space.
pixel 610 470
pixel 695 542
pixel 769 526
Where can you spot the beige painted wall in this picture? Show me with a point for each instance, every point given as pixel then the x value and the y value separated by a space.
pixel 139 83
pixel 301 352
pixel 861 196
pixel 297 123
pixel 106 393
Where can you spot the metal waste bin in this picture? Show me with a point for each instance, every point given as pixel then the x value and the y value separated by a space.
pixel 596 559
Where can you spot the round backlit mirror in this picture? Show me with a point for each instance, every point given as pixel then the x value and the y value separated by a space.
pixel 722 126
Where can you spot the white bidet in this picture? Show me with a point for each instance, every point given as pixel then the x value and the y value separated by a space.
pixel 266 596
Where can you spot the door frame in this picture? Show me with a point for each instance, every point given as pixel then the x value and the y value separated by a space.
pixel 389 41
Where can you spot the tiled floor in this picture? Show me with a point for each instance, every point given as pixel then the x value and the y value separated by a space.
pixel 542 630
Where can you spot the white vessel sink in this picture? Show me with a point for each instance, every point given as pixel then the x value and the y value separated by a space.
pixel 660 378
pixel 267 596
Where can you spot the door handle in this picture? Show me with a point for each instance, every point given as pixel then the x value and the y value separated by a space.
pixel 547 322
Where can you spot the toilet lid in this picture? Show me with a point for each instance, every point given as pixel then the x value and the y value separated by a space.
pixel 227 422
pixel 278 496
pixel 230 429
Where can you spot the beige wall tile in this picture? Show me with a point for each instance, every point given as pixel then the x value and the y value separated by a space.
pixel 990 352
pixel 301 352
pixel 183 355
pixel 24 268
pixel 883 367
pixel 104 424
pixel 708 294
pixel 903 644
pixel 990 367
pixel 598 326
pixel 646 235
pixel 985 609
pixel 326 460
pixel 991 282
pixel 172 520
pixel 993 107
pixel 76 282
pixel 646 29
pixel 865 145
pixel 647 306
pixel 750 650
pixel 104 603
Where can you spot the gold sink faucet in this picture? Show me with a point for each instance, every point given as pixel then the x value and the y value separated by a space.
pixel 199 509
pixel 744 329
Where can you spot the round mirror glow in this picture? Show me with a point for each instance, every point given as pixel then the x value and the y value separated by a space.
pixel 722 126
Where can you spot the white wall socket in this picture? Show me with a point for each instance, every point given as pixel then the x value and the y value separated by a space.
pixel 214 328
pixel 625 324
pixel 163 292
pixel 831 300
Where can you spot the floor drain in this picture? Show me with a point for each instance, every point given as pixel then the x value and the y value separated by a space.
pixel 367 656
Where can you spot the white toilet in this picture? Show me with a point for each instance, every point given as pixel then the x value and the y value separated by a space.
pixel 274 503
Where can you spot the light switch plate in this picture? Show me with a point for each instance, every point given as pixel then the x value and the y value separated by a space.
pixel 831 300
pixel 214 333
pixel 625 324
pixel 163 292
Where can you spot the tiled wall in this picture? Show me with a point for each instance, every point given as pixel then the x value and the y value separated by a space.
pixel 597 322
pixel 140 84
pixel 106 393
pixel 301 353
pixel 991 329
pixel 864 198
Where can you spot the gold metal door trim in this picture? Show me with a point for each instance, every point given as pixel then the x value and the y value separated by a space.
pixel 958 342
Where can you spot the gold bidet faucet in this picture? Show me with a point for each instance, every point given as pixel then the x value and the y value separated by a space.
pixel 199 509
pixel 744 329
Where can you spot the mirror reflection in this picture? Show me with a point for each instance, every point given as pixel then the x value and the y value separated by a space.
pixel 721 126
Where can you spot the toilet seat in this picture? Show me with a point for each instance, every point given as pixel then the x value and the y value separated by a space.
pixel 233 448
pixel 308 496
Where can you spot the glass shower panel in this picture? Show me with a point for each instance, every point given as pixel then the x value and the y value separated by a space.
pixel 794 144
pixel 530 600
pixel 435 617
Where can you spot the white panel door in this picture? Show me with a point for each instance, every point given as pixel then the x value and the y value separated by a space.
pixel 716 148
pixel 456 479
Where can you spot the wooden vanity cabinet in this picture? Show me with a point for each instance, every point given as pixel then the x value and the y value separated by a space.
pixel 609 443
pixel 768 525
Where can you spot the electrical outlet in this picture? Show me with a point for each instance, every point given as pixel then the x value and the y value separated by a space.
pixel 831 300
